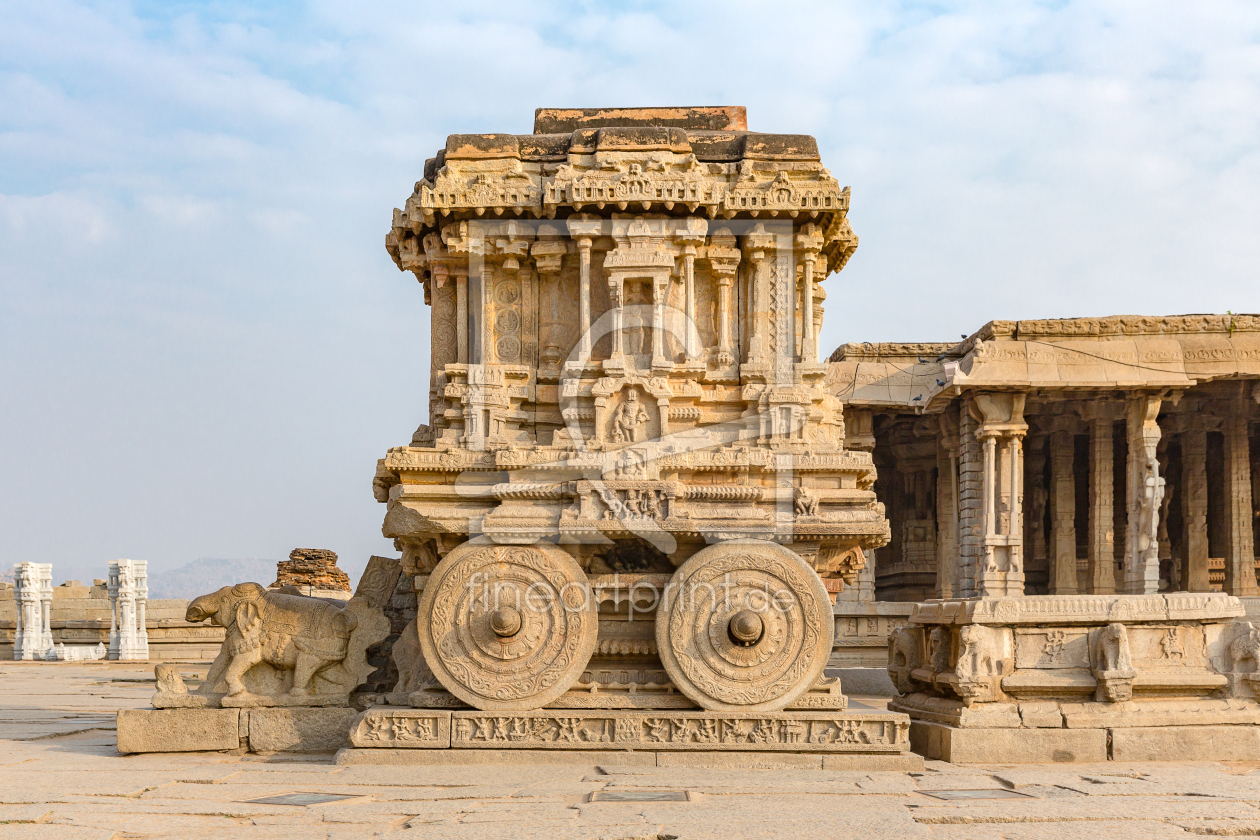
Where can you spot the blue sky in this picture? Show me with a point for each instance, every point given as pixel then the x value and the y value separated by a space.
pixel 204 346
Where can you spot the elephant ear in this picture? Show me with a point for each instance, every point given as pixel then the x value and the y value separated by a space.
pixel 249 619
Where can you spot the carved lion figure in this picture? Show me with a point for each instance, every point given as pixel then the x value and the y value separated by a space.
pixel 288 632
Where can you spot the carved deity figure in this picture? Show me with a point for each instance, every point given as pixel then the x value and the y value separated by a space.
pixel 1152 496
pixel 628 418
pixel 806 502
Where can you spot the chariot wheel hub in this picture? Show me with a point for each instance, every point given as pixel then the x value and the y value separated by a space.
pixel 505 622
pixel 746 627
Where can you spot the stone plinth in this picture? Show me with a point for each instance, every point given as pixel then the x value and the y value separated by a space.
pixel 841 733
pixel 1028 679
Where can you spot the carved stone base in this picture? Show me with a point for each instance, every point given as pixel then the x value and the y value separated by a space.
pixel 1060 677
pixel 794 732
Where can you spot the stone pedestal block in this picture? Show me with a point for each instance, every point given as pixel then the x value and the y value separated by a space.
pixel 1007 746
pixel 178 730
pixel 299 730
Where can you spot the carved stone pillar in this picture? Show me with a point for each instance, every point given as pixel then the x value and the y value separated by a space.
pixel 485 331
pixel 1102 503
pixel 1062 580
pixel 1145 493
pixel 947 505
pixel 760 319
pixel 1240 557
pixel 689 233
pixel 461 319
pixel 660 292
pixel 1036 499
pixel 723 259
pixel 1001 434
pixel 1194 509
pixel 692 343
pixel 584 229
pixel 809 241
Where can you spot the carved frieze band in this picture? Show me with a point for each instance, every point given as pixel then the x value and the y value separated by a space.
pixel 655 730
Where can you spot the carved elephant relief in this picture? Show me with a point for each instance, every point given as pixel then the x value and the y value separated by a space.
pixel 286 649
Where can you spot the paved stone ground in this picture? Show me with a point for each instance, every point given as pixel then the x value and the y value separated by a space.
pixel 62 779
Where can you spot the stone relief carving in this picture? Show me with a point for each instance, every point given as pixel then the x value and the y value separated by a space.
pixel 905 654
pixel 979 664
pixel 1114 671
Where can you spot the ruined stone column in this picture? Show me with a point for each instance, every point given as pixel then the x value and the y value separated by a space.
pixel 1240 557
pixel 1145 492
pixel 1062 513
pixel 1194 509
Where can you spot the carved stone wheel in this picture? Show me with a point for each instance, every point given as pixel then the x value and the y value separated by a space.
pixel 744 625
pixel 507 627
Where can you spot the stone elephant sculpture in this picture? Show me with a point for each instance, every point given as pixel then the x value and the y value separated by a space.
pixel 289 632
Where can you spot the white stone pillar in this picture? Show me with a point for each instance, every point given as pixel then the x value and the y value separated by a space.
pixel 128 593
pixel 32 595
pixel 115 624
pixel 45 601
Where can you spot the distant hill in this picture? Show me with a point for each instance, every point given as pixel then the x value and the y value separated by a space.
pixel 208 574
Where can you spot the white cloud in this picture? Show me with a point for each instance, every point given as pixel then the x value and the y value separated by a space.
pixel 204 347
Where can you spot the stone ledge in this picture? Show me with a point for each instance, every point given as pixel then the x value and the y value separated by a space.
pixel 1007 746
pixel 639 758
pixel 1186 743
pixel 1080 609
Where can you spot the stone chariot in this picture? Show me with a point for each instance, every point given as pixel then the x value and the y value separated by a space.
pixel 633 491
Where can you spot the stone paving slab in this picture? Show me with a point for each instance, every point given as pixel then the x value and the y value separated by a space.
pixel 72 784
